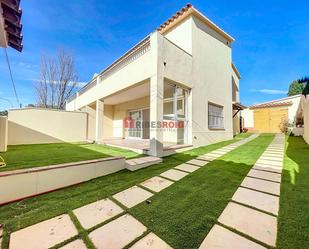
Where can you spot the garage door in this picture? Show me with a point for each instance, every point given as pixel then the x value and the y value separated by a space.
pixel 268 120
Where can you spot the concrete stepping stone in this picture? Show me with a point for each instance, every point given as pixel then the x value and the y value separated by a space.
pixel 268 162
pixel 206 158
pixel 213 155
pixel 150 241
pixel 219 153
pixel 142 162
pixel 174 175
pixel 274 150
pixel 265 175
pixel 197 162
pixel 0 243
pixel 1 231
pixel 261 185
pixel 262 201
pixel 76 244
pixel 272 158
pixel 117 233
pixel 44 234
pixel 96 213
pixel 256 224
pixel 222 238
pixel 273 155
pixel 187 167
pixel 268 168
pixel 132 196
pixel 156 183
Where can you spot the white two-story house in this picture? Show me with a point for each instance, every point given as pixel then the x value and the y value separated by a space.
pixel 182 73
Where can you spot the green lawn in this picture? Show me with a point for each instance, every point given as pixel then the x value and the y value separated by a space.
pixel 185 212
pixel 27 156
pixel 33 210
pixel 294 200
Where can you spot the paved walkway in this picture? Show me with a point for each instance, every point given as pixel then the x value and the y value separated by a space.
pixel 254 207
pixel 116 228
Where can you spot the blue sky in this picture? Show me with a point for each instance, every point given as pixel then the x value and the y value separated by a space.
pixel 271 47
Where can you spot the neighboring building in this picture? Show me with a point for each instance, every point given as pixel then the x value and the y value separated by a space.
pixel 305 104
pixel 267 116
pixel 10 26
pixel 182 72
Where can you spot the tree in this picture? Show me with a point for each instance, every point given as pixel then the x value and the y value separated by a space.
pixel 295 88
pixel 58 80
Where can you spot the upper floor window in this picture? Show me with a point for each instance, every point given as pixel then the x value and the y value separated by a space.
pixel 215 116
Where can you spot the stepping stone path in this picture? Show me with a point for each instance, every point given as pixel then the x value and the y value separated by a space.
pixel 44 234
pixel 187 167
pixel 132 196
pixel 174 175
pixel 220 237
pixel 254 207
pixel 96 213
pixel 156 183
pixel 117 232
pixel 151 241
pixel 76 244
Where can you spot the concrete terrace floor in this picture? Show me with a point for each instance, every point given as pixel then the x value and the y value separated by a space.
pixel 151 212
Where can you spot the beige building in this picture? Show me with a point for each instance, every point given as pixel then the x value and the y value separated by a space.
pixel 268 116
pixel 177 86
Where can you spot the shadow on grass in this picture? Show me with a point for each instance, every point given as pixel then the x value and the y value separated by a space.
pixel 294 201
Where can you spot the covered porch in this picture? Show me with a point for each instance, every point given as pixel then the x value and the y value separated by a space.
pixel 140 119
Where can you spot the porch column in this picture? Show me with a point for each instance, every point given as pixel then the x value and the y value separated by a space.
pixel 156 115
pixel 99 121
pixel 188 127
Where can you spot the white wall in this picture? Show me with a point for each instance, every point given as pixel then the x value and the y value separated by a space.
pixel 212 82
pixel 248 118
pixel 181 35
pixel 35 126
pixel 306 118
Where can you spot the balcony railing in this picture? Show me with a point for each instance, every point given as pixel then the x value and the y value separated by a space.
pixel 137 51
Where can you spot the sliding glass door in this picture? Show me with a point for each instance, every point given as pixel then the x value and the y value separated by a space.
pixel 136 130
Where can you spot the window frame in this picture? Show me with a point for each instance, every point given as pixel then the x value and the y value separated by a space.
pixel 213 127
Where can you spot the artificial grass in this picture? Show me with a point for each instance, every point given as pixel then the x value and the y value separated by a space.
pixel 35 155
pixel 184 213
pixel 293 226
pixel 24 213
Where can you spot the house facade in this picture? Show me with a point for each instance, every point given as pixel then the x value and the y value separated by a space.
pixel 176 86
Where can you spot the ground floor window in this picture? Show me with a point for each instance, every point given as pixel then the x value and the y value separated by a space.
pixel 174 104
pixel 215 116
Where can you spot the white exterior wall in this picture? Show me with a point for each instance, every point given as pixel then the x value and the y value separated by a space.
pixel 294 109
pixel 306 119
pixel 181 35
pixel 35 126
pixel 248 118
pixel 212 76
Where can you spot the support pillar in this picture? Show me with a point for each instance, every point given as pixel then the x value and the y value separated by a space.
pixel 156 115
pixel 99 121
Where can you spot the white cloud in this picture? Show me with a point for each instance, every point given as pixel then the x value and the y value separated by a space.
pixel 269 91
